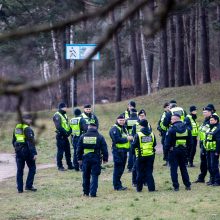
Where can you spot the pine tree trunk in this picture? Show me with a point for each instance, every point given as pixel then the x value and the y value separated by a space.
pixel 218 19
pixel 117 55
pixel 205 46
pixel 172 52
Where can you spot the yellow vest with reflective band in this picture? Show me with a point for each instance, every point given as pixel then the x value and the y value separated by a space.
pixel 202 131
pixel 131 123
pixel 215 114
pixel 123 135
pixel 126 114
pixel 19 133
pixel 161 122
pixel 64 121
pixel 86 118
pixel 195 126
pixel 146 144
pixel 89 141
pixel 181 139
pixel 178 110
pixel 74 124
pixel 138 127
pixel 209 143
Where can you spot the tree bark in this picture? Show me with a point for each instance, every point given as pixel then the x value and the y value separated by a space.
pixel 205 45
pixel 218 19
pixel 118 71
pixel 172 52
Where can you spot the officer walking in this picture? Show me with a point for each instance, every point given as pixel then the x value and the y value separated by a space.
pixel 192 125
pixel 78 126
pixel 144 147
pixel 212 146
pixel 63 131
pixel 120 147
pixel 177 140
pixel 91 148
pixel 89 116
pixel 207 112
pixel 162 129
pixel 24 145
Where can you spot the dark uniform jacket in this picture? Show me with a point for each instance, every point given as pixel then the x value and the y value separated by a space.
pixel 29 145
pixel 170 140
pixel 91 117
pixel 100 147
pixel 216 137
pixel 61 132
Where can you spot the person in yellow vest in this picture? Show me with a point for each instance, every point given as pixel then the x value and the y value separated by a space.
pixel 144 147
pixel 25 150
pixel 78 126
pixel 212 146
pixel 131 105
pixel 162 129
pixel 192 124
pixel 178 139
pixel 120 147
pixel 63 131
pixel 89 116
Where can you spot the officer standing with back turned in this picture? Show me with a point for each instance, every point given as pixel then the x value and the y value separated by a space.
pixel 24 145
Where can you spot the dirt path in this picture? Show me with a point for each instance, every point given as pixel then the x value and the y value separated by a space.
pixel 8 166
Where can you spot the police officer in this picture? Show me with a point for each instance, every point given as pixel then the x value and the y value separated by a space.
pixel 90 149
pixel 89 116
pixel 212 146
pixel 131 105
pixel 162 129
pixel 178 138
pixel 78 126
pixel 212 108
pixel 63 131
pixel 120 147
pixel 192 125
pixel 24 145
pixel 129 123
pixel 207 112
pixel 144 147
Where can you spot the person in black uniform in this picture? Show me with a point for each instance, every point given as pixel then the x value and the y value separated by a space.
pixel 178 138
pixel 25 150
pixel 78 126
pixel 120 147
pixel 90 149
pixel 63 131
pixel 144 148
pixel 89 116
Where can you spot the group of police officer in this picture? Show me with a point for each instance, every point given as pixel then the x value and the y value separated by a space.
pixel 131 136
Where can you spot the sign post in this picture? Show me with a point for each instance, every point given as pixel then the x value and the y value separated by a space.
pixel 81 52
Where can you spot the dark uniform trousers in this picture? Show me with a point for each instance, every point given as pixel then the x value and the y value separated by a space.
pixel 213 167
pixel 119 158
pixel 134 172
pixel 203 163
pixel 75 140
pixel 177 157
pixel 144 167
pixel 165 155
pixel 63 146
pixel 130 159
pixel 23 156
pixel 192 151
pixel 91 166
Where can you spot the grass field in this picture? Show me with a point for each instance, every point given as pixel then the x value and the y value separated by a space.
pixel 59 195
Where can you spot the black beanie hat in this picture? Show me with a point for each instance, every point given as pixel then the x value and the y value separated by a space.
pixel 77 112
pixel 143 123
pixel 62 105
pixel 142 111
pixel 192 108
pixel 173 101
pixel 212 107
pixel 215 117
pixel 132 103
pixel 87 106
pixel 207 109
pixel 27 116
pixel 121 116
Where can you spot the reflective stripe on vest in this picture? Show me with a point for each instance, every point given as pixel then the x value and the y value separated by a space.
pixel 19 133
pixel 123 135
pixel 126 115
pixel 161 122
pixel 138 127
pixel 74 124
pixel 202 131
pixel 210 144
pixel 89 141
pixel 64 121
pixel 146 144
pixel 86 118
pixel 194 124
pixel 179 111
pixel 181 139
pixel 130 124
